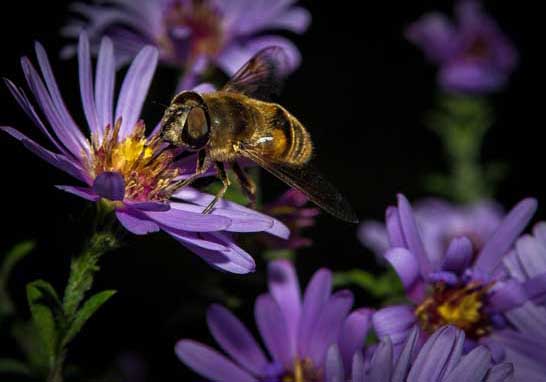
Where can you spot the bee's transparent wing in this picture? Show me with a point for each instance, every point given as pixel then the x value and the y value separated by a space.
pixel 261 77
pixel 309 181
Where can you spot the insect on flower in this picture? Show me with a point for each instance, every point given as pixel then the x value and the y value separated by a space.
pixel 122 166
pixel 237 122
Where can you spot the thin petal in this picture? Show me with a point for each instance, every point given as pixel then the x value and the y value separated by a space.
pixel 104 85
pixel 296 19
pixel 353 334
pixel 86 83
pixel 531 255
pixel 394 321
pixel 235 339
pixel 209 363
pixel 136 223
pixel 412 236
pixel 503 238
pixel 374 236
pixel 406 357
pixel 358 369
pixel 179 219
pixel 472 368
pixel 458 256
pixel 135 89
pixel 334 366
pixel 82 192
pixel 272 327
pixel 503 372
pixel 285 289
pixel 435 34
pixel 110 185
pixel 316 295
pixel 405 264
pixel 394 228
pixel 328 326
pixel 381 362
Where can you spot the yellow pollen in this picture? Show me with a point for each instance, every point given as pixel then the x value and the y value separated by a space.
pixel 304 371
pixel 146 170
pixel 465 313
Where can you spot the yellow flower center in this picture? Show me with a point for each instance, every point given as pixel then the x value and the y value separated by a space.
pixel 146 169
pixel 462 307
pixel 304 371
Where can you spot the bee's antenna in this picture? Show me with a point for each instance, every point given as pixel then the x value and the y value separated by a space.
pixel 160 104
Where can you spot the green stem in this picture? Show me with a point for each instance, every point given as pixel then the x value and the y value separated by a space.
pixel 56 372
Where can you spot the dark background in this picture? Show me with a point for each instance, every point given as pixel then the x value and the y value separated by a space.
pixel 362 91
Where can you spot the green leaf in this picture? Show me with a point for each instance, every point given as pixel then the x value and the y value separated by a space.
pixel 14 256
pixel 84 314
pixel 13 366
pixel 43 302
pixel 386 285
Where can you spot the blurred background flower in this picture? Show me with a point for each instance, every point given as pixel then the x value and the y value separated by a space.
pixel 192 34
pixel 297 333
pixel 473 54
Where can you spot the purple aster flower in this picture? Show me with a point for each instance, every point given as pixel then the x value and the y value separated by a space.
pixel 468 287
pixel 440 359
pixel 474 56
pixel 290 209
pixel 192 34
pixel 439 222
pixel 121 166
pixel 296 333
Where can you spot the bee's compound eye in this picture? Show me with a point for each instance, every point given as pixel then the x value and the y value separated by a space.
pixel 196 130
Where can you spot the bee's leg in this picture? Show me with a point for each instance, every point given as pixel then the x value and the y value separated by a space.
pixel 247 184
pixel 201 167
pixel 222 175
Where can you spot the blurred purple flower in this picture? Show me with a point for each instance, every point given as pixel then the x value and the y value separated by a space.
pixel 296 333
pixel 467 288
pixel 439 222
pixel 120 165
pixel 290 209
pixel 192 34
pixel 474 55
pixel 440 359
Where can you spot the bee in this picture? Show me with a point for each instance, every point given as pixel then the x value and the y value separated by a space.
pixel 238 122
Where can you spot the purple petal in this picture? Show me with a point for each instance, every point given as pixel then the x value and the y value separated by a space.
pixel 60 161
pixel 177 218
pixel 148 206
pixel 381 362
pixel 529 346
pixel 472 368
pixel 394 321
pixel 535 288
pixel 231 259
pixel 316 295
pixel 235 339
pixel 136 223
pixel 435 34
pixel 458 256
pixel 86 83
pixel 328 325
pixel 110 185
pixel 503 238
pixel 204 88
pixel 209 363
pixel 444 277
pixel 201 199
pixel 374 236
pixel 353 334
pixel 539 231
pixel 358 372
pixel 394 228
pixel 406 357
pixel 531 254
pixel 500 373
pixel 285 289
pixel 104 85
pixel 200 240
pixel 135 88
pixel 412 236
pixel 433 358
pixel 57 110
pixel 272 327
pixel 82 192
pixel 334 365
pixel 471 77
pixel 507 296
pixel 295 19
pixel 405 265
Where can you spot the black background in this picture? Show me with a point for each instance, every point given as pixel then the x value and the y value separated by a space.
pixel 362 91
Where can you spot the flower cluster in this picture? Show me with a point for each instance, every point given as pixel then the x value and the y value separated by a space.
pixel 119 164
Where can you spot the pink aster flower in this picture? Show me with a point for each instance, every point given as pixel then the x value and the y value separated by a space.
pixel 192 34
pixel 119 164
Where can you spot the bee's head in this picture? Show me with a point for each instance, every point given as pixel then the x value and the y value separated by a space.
pixel 186 122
